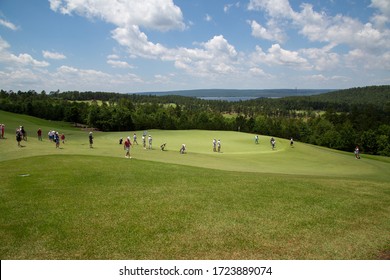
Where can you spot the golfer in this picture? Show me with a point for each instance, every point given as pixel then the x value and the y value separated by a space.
pixel 135 139
pixel 357 152
pixel 127 145
pixel 273 142
pixel 183 148
pixel 90 139
pixel 150 141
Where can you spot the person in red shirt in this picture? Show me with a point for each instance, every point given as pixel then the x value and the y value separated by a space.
pixel 39 132
pixel 127 145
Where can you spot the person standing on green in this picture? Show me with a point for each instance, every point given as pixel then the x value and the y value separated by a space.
pixel 90 139
pixel 127 145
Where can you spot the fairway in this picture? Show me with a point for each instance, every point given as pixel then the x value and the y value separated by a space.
pixel 246 202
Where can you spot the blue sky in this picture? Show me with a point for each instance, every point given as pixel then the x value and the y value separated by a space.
pixel 161 45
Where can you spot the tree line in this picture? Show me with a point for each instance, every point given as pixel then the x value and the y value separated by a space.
pixel 339 120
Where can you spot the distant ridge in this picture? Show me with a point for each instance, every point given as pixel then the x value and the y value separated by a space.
pixel 376 95
pixel 271 93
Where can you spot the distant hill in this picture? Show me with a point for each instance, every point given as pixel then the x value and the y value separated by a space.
pixel 376 95
pixel 271 93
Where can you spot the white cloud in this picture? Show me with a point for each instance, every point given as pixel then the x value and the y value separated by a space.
pixel 275 8
pixel 53 55
pixel 358 60
pixel 219 46
pixel 258 72
pixel 372 39
pixel 227 7
pixel 320 78
pixel 26 59
pixel 163 79
pixel 119 64
pixel 8 24
pixel 285 57
pixel 69 78
pixel 322 59
pixel 380 21
pixel 18 60
pixel 339 30
pixel 320 27
pixel 216 57
pixel 3 46
pixel 137 42
pixel 20 78
pixel 382 5
pixel 160 15
pixel 279 56
pixel 208 18
pixel 274 33
pixel 113 56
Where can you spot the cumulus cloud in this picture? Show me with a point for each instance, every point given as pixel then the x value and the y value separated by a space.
pixel 276 55
pixel 320 27
pixel 137 42
pixel 216 57
pixel 90 79
pixel 119 64
pixel 339 30
pixel 160 15
pixel 273 33
pixel 22 59
pixel 370 39
pixel 382 5
pixel 211 58
pixel 113 56
pixel 322 58
pixel 53 55
pixel 258 72
pixel 8 24
pixel 275 8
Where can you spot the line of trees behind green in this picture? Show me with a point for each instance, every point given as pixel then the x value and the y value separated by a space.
pixel 339 120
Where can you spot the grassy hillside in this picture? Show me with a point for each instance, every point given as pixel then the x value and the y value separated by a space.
pixel 248 202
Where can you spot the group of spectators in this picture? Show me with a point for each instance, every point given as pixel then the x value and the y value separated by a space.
pixel 216 145
pixel 54 136
pixel 21 135
pixel 145 140
pixel 127 144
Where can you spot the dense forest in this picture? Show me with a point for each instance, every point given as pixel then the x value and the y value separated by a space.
pixel 340 119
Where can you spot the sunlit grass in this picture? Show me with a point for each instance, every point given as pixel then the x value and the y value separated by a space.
pixel 248 202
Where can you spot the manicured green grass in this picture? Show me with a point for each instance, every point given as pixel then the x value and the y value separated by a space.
pixel 248 202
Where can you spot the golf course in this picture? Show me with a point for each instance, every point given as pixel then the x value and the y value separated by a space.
pixel 246 202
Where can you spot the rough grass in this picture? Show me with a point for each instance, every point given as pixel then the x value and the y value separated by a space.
pixel 293 203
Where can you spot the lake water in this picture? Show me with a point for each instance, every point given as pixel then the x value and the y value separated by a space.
pixel 229 98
